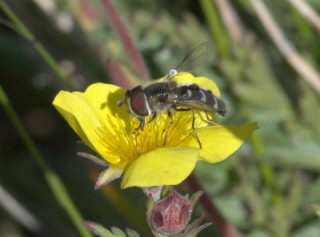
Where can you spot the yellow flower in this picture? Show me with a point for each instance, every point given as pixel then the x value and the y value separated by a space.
pixel 156 156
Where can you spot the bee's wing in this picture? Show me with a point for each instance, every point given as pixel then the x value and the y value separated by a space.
pixel 195 58
pixel 194 104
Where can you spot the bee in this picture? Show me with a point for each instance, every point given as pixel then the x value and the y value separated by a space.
pixel 168 95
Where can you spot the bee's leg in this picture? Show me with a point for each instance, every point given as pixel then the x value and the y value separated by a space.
pixel 153 117
pixel 143 122
pixel 180 109
pixel 210 120
pixel 193 123
pixel 168 126
pixel 141 125
pixel 194 129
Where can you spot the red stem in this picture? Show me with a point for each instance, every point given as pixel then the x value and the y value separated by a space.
pixel 119 26
pixel 226 229
pixel 117 75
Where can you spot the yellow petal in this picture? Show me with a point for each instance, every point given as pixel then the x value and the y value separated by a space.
pixel 87 112
pixel 110 174
pixel 103 100
pixel 163 166
pixel 79 115
pixel 219 142
pixel 183 77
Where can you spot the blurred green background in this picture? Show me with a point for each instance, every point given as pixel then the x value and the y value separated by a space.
pixel 266 62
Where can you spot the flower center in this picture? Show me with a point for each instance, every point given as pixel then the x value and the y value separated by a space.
pixel 122 145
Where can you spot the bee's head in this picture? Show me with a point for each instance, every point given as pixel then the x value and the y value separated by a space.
pixel 136 102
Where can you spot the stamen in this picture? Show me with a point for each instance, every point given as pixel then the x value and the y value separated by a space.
pixel 121 145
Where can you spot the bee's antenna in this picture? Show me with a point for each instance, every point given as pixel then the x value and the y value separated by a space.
pixel 120 103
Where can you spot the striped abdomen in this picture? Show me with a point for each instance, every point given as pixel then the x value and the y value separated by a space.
pixel 195 97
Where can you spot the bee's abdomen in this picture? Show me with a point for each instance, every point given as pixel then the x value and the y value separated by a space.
pixel 202 99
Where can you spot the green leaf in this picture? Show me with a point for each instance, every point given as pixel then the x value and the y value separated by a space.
pixel 316 207
pixel 98 229
pixel 117 232
pixel 132 233
pixel 101 231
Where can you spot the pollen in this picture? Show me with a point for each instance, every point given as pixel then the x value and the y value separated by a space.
pixel 121 145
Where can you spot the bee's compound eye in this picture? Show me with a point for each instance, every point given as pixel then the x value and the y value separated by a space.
pixel 173 72
pixel 138 102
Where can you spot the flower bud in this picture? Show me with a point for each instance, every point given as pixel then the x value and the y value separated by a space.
pixel 171 214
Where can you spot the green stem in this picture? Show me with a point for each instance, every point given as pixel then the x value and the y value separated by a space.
pixel 54 182
pixel 23 31
pixel 216 28
pixel 266 170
